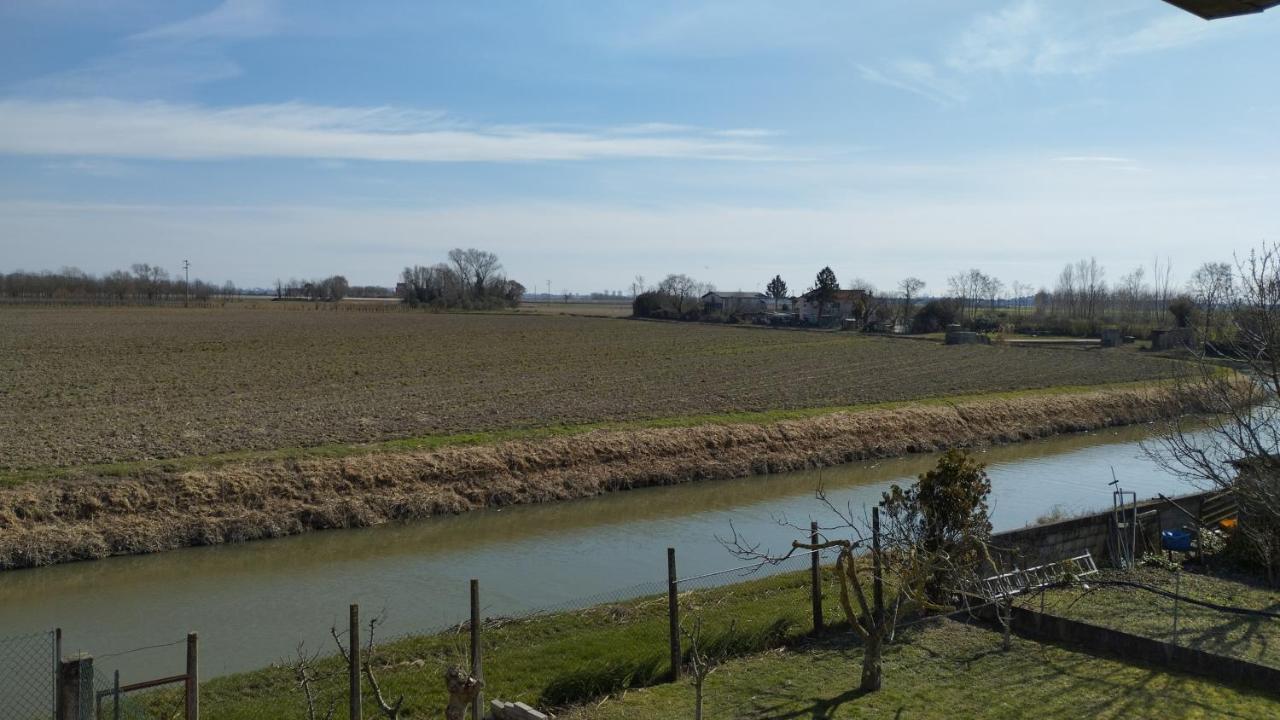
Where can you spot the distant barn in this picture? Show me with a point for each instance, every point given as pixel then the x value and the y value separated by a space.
pixel 735 303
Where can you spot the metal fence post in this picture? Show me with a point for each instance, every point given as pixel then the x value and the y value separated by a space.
pixel 815 579
pixel 477 657
pixel 57 668
pixel 355 707
pixel 115 697
pixel 673 612
pixel 193 676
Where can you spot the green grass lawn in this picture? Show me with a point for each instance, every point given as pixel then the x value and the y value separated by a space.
pixel 1142 613
pixel 548 661
pixel 944 671
pixel 612 661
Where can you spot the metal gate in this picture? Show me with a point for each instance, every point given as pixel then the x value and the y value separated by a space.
pixel 28 668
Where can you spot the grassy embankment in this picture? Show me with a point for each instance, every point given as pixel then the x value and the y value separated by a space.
pixel 449 440
pixel 61 520
pixel 940 669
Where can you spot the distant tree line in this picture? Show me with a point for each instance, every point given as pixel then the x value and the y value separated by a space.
pixel 141 283
pixel 330 289
pixel 1081 302
pixel 471 279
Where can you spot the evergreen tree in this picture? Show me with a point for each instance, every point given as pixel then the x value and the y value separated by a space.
pixel 777 289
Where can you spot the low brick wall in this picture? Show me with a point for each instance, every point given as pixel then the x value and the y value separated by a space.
pixel 1040 544
pixel 1041 626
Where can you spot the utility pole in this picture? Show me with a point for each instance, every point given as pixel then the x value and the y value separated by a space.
pixel 548 291
pixel 186 283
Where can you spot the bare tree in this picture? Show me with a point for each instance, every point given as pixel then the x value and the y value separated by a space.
pixel 890 562
pixel 319 701
pixel 1211 286
pixel 1160 278
pixel 910 288
pixel 1237 449
pixel 991 290
pixel 682 291
pixel 1093 286
pixel 704 656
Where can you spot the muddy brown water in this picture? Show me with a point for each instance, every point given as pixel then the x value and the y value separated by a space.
pixel 253 603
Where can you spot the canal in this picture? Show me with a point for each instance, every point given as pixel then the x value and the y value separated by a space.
pixel 253 603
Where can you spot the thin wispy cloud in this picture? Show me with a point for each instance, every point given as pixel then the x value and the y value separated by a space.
pixel 232 19
pixel 916 77
pixel 168 58
pixel 1038 38
pixel 167 131
pixel 1097 159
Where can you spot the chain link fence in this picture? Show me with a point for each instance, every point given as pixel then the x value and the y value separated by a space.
pixel 28 666
pixel 552 656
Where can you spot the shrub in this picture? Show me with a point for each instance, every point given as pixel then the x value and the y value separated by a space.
pixel 647 304
pixel 934 316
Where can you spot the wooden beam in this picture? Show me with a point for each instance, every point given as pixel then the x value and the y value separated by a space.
pixel 1218 9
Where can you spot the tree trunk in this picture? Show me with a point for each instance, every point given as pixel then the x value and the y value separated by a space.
pixel 871 663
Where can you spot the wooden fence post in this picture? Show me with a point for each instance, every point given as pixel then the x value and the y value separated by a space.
pixel 815 579
pixel 877 582
pixel 76 689
pixel 477 655
pixel 193 677
pixel 673 612
pixel 355 701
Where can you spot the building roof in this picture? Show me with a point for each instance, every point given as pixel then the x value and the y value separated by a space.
pixel 1215 9
pixel 739 295
pixel 841 295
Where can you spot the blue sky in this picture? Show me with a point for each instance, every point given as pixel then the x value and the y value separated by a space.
pixel 588 142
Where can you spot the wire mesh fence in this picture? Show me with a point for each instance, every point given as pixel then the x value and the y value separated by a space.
pixel 119 697
pixel 554 655
pixel 112 702
pixel 28 664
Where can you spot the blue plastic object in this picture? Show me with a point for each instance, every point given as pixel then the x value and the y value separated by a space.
pixel 1176 540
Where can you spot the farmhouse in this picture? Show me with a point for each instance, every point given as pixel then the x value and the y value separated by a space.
pixel 735 303
pixel 844 304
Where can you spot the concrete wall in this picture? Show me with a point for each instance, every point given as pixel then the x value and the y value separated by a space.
pixel 1040 544
pixel 961 337
pixel 1154 652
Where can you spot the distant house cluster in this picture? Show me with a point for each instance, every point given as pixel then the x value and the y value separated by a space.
pixel 846 307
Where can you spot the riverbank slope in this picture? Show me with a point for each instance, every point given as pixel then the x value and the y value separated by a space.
pixel 76 518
